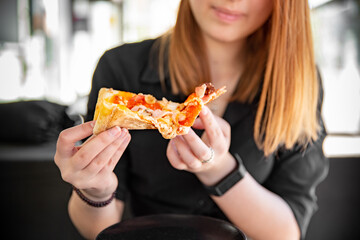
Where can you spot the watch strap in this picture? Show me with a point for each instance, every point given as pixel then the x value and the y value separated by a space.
pixel 228 181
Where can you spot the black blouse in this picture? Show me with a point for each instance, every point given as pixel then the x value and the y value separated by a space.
pixel 156 187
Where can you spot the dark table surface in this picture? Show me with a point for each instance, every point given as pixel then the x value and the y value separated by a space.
pixel 172 226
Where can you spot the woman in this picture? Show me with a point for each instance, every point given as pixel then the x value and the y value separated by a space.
pixel 270 117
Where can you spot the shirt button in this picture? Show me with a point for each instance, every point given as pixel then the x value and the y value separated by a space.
pixel 201 203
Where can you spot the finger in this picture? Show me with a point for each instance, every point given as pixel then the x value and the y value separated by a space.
pixel 105 156
pixel 198 147
pixel 212 127
pixel 119 152
pixel 77 147
pixel 185 153
pixel 87 140
pixel 224 126
pixel 198 124
pixel 96 145
pixel 68 137
pixel 174 157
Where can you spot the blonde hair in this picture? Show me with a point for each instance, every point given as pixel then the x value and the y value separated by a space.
pixel 279 65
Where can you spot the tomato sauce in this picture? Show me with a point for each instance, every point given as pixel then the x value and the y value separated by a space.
pixel 135 100
pixel 191 111
pixel 140 100
pixel 116 99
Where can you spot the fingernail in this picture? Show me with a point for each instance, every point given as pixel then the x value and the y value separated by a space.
pixel 92 124
pixel 114 131
pixel 124 131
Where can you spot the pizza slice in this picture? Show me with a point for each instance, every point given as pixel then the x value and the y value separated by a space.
pixel 143 111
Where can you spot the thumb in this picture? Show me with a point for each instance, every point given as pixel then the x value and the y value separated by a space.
pixel 70 136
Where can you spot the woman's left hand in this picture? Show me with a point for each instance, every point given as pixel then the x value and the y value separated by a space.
pixel 189 152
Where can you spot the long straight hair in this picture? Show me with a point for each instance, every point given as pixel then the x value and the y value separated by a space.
pixel 280 69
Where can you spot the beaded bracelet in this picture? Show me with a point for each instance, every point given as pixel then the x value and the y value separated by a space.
pixel 91 202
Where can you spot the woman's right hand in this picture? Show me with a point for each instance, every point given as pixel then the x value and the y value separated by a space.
pixel 89 167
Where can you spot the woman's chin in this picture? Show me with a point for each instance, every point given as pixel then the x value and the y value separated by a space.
pixel 224 38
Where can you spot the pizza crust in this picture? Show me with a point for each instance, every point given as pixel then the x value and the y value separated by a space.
pixel 108 115
pixel 122 118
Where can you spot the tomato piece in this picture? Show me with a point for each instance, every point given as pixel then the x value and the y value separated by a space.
pixel 135 100
pixel 156 106
pixel 140 100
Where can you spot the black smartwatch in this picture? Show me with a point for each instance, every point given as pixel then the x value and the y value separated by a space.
pixel 228 181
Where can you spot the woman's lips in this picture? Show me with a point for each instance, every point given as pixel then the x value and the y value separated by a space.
pixel 227 15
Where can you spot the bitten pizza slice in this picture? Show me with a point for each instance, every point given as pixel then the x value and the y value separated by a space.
pixel 143 111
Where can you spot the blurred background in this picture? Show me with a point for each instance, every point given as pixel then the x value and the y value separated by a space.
pixel 49 49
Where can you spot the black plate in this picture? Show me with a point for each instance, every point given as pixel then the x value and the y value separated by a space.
pixel 172 227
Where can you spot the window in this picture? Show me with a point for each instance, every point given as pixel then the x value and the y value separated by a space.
pixel 337 46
